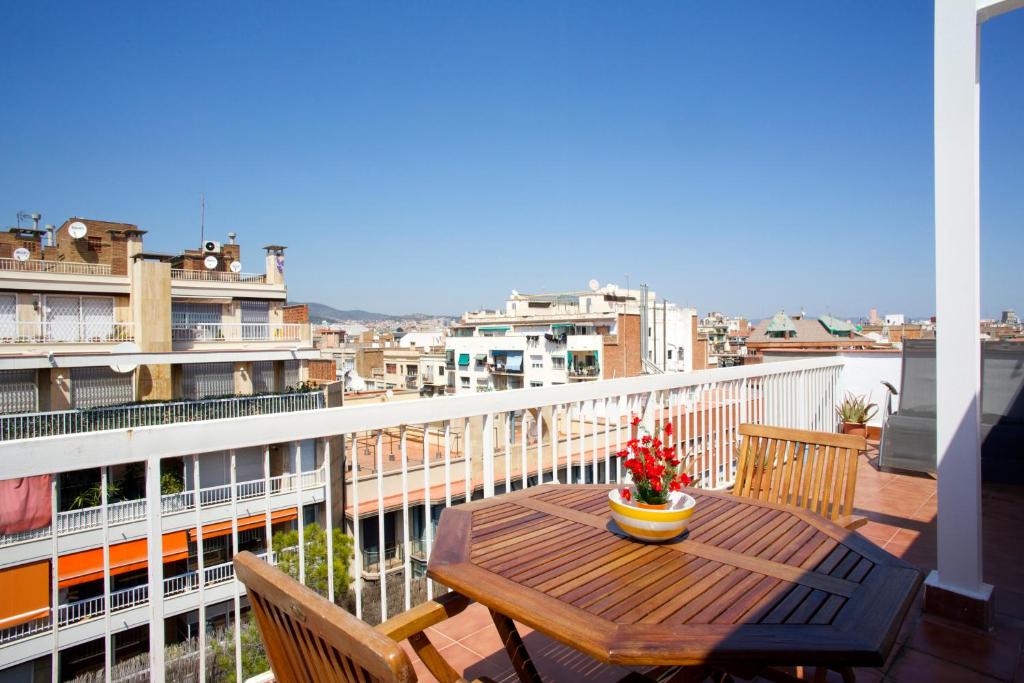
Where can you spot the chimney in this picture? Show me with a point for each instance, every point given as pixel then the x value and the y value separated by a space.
pixel 50 235
pixel 231 237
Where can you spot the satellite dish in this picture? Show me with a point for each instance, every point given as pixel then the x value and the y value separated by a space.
pixel 21 254
pixel 125 366
pixel 210 262
pixel 515 292
pixel 594 285
pixel 77 230
pixel 236 266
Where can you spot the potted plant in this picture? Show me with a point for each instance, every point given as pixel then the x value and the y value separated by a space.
pixel 854 412
pixel 653 508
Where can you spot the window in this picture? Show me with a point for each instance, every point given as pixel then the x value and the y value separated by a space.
pixel 440 370
pixel 291 373
pixel 196 321
pixel 18 391
pixel 97 386
pixel 8 317
pixel 201 380
pixel 255 319
pixel 536 384
pixel 263 377
pixel 558 362
pixel 464 382
pixel 390 368
pixel 670 354
pixel 537 362
pixel 75 318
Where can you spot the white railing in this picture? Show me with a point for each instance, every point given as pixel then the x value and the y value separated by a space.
pixel 508 439
pixel 57 267
pixel 217 276
pixel 65 332
pixel 79 610
pixel 24 630
pixel 31 425
pixel 278 332
pixel 371 559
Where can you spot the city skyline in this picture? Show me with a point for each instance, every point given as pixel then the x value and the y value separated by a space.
pixel 443 158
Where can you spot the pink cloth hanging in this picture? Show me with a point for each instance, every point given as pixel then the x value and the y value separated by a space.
pixel 24 504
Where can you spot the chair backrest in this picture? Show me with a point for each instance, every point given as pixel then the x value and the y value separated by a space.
pixel 309 639
pixel 813 470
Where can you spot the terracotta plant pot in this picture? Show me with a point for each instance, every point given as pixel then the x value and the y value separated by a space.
pixel 855 428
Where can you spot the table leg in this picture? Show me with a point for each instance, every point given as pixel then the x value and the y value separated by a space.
pixel 515 648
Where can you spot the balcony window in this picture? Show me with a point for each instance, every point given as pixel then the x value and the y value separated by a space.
pixel 291 373
pixel 79 318
pixel 8 316
pixel 186 314
pixel 390 368
pixel 464 382
pixel 463 360
pixel 263 377
pixel 18 391
pixel 201 380
pixel 98 386
pixel 255 319
pixel 558 362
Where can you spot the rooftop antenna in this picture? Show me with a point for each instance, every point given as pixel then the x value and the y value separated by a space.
pixel 202 219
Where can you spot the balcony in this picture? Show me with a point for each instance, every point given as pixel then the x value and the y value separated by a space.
pixel 569 434
pixel 217 276
pixel 125 512
pixel 236 332
pixel 64 332
pixel 80 611
pixel 32 425
pixel 54 267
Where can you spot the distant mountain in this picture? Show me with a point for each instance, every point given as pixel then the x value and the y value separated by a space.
pixel 319 312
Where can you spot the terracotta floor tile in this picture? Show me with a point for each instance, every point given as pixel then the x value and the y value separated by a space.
pixel 474 618
pixel 914 666
pixel 970 648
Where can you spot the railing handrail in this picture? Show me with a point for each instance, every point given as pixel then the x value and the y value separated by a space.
pixel 123 445
pixel 233 324
pixel 72 421
pixel 56 267
pixel 218 276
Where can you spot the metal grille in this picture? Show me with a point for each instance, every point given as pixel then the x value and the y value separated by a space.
pixel 18 391
pixel 97 318
pixel 291 373
pixel 202 380
pixel 63 314
pixel 263 377
pixel 255 319
pixel 8 317
pixel 100 386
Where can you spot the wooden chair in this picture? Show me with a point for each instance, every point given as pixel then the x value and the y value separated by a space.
pixel 813 470
pixel 309 639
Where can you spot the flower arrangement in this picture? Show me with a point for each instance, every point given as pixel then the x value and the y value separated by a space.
pixel 653 466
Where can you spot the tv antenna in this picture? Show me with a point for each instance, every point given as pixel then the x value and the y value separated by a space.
pixel 202 217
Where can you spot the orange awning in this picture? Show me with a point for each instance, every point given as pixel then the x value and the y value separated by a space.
pixel 87 565
pixel 26 593
pixel 244 523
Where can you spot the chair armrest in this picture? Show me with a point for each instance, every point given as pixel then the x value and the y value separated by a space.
pixel 417 619
pixel 851 522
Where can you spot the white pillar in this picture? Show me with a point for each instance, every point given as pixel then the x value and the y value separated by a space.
pixel 957 294
pixel 154 540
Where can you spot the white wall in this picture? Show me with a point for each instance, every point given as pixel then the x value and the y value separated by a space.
pixel 863 374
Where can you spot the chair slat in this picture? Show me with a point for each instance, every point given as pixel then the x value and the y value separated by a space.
pixel 813 470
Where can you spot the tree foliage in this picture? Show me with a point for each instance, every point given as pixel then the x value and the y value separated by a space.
pixel 285 545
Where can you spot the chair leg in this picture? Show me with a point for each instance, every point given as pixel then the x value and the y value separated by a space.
pixel 515 648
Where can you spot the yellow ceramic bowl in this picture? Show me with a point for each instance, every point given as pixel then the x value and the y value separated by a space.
pixel 647 524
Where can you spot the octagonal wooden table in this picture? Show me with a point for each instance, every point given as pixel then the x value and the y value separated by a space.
pixel 749 585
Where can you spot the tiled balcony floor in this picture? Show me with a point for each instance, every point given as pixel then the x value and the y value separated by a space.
pixel 901 509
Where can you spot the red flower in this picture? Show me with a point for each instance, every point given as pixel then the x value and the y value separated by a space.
pixel 656 484
pixel 668 429
pixel 636 421
pixel 626 495
pixel 646 439
pixel 684 479
pixel 674 485
pixel 622 454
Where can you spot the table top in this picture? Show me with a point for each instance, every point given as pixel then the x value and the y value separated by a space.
pixel 749 581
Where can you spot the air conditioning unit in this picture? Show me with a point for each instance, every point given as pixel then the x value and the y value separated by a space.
pixel 211 247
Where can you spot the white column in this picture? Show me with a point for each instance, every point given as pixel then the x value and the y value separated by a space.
pixel 957 309
pixel 298 506
pixel 108 655
pixel 235 582
pixel 200 567
pixel 329 519
pixel 154 540
pixel 54 582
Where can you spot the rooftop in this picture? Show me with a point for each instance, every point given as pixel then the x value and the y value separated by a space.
pixel 901 510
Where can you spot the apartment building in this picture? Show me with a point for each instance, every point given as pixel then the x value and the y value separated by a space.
pixel 550 339
pixel 800 332
pixel 397 362
pixel 96 335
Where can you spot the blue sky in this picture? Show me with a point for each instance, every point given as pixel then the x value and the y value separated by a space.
pixel 433 156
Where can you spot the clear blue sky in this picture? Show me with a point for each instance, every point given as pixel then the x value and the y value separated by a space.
pixel 433 156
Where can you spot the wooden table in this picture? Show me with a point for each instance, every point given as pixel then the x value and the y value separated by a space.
pixel 750 585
